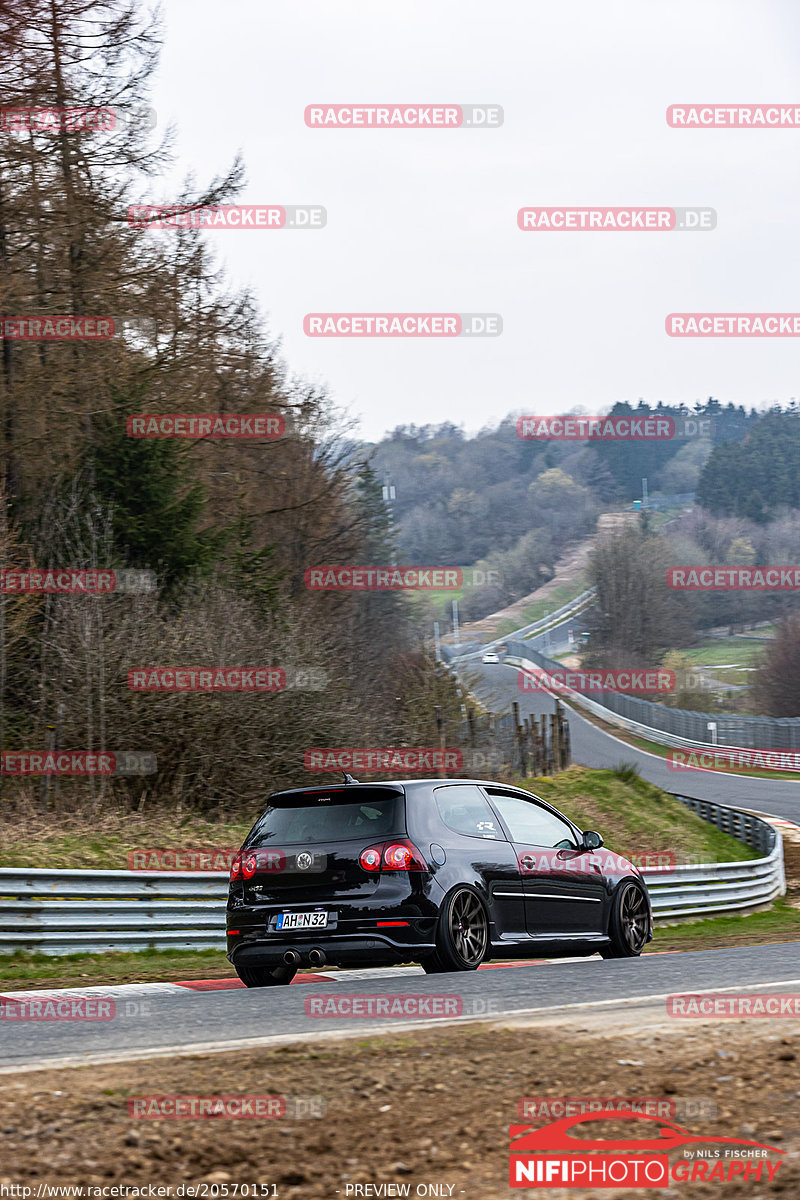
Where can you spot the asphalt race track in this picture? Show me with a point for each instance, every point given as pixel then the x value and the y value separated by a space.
pixel 161 1019
pixel 166 1018
pixel 593 747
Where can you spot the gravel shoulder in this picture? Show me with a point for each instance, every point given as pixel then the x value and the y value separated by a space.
pixel 426 1108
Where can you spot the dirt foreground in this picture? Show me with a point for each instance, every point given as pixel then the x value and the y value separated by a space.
pixel 424 1109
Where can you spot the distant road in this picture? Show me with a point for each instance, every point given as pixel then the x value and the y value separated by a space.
pixel 592 747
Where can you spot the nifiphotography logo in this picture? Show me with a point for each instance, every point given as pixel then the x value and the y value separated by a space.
pixel 570 1153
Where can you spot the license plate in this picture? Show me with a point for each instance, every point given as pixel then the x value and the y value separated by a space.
pixel 312 920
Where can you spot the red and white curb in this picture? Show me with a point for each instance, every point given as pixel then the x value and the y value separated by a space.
pixel 224 985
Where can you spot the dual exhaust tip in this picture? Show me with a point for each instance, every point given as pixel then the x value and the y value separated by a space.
pixel 316 958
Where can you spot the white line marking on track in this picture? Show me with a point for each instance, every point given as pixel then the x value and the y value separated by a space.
pixel 496 1019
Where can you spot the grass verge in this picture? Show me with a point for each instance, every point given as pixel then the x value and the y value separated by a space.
pixel 779 923
pixel 725 650
pixel 103 842
pixel 23 971
pixel 635 817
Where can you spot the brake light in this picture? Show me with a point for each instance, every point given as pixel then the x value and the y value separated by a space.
pixel 370 858
pixel 398 857
pixel 392 856
pixel 249 865
pixel 236 868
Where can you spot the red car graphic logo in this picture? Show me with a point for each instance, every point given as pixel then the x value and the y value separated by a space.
pixel 666 1136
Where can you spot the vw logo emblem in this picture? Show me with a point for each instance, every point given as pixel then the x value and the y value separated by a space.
pixel 304 861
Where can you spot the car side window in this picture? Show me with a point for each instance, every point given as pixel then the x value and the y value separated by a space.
pixel 528 822
pixel 463 809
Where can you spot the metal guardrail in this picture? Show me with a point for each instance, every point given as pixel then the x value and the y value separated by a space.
pixel 66 912
pixel 571 608
pixel 709 889
pixel 670 726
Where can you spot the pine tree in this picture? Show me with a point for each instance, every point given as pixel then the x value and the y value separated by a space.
pixel 156 507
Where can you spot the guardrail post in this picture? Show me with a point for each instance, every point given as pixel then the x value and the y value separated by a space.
pixel 564 739
pixel 518 751
pixel 555 745
pixel 440 728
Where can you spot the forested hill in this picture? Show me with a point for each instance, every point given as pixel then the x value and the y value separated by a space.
pixel 459 498
pixel 755 477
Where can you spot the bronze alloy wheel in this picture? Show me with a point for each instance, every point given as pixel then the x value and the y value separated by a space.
pixel 633 918
pixel 629 924
pixel 468 927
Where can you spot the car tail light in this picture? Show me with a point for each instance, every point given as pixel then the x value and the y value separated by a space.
pixel 249 864
pixel 236 868
pixel 398 857
pixel 392 856
pixel 370 858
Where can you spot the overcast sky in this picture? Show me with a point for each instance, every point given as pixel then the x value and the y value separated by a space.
pixel 425 220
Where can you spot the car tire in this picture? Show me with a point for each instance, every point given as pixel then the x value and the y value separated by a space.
pixel 629 922
pixel 433 965
pixel 462 934
pixel 259 975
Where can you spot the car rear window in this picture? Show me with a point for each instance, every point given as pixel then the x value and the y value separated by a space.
pixel 330 816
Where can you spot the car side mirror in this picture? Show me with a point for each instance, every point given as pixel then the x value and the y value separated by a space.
pixel 592 840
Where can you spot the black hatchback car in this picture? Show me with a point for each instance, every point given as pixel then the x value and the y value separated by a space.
pixel 446 873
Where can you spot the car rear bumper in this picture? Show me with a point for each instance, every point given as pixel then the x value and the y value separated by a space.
pixel 341 950
pixel 356 932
